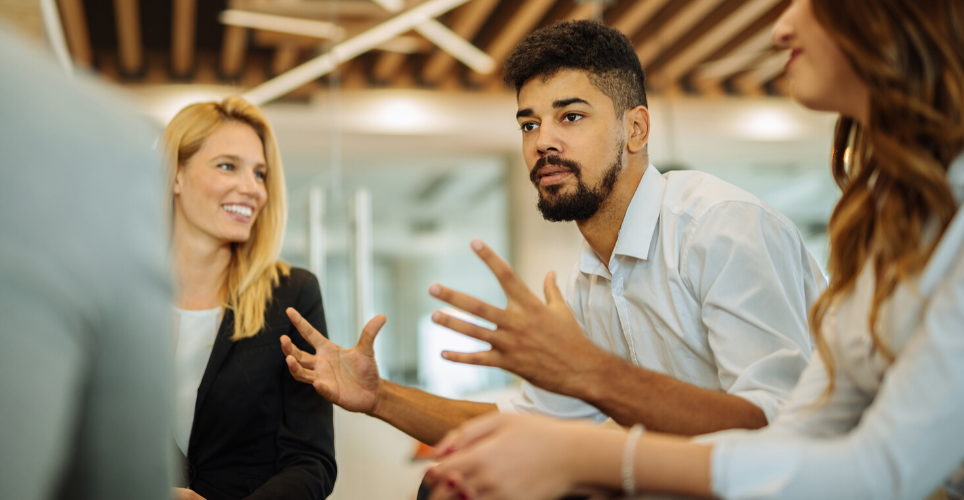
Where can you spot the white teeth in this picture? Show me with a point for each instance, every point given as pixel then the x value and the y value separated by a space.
pixel 238 209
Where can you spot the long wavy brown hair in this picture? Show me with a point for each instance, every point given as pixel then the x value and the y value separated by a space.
pixel 896 200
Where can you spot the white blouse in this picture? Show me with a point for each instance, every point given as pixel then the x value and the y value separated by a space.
pixel 196 331
pixel 890 431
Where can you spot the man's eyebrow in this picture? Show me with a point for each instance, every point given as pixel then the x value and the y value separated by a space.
pixel 561 103
pixel 524 112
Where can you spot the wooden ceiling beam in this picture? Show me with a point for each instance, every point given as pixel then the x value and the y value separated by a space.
pixel 727 29
pixel 183 28
pixel 770 68
pixel 521 24
pixel 743 56
pixel 233 50
pixel 75 27
pixel 466 23
pixel 130 46
pixel 638 15
pixel 670 32
pixel 285 57
pixel 581 11
pixel 387 66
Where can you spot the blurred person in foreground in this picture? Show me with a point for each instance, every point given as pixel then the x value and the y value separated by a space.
pixel 245 427
pixel 85 365
pixel 877 414
pixel 687 308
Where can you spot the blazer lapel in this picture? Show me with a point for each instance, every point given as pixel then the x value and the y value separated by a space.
pixel 222 347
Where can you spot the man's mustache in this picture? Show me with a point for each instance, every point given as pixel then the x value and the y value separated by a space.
pixel 553 160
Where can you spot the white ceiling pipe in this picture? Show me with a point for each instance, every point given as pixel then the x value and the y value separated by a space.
pixel 348 49
pixel 391 5
pixel 293 25
pixel 456 46
pixel 55 34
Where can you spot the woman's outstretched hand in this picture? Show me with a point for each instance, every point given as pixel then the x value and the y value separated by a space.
pixel 507 457
pixel 345 377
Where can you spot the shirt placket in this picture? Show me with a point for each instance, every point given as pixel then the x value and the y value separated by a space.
pixel 622 307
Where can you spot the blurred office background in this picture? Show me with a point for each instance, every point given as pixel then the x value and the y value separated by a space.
pixel 400 146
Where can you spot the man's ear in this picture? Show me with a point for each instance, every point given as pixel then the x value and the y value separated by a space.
pixel 637 120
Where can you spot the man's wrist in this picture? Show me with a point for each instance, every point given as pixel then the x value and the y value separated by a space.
pixel 383 392
pixel 589 383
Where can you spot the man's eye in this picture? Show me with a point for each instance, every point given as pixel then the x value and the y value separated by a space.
pixel 528 126
pixel 571 117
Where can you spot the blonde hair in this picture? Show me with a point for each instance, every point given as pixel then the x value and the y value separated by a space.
pixel 893 170
pixel 254 269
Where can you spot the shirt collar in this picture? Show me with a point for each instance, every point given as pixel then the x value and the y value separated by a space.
pixel 639 223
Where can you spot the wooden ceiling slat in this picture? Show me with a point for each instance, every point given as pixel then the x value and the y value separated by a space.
pixel 637 16
pixel 672 31
pixel 706 44
pixel 183 28
pixel 521 24
pixel 743 56
pixel 387 66
pixel 753 80
pixel 581 11
pixel 466 23
pixel 285 57
pixel 233 50
pixel 75 27
pixel 130 46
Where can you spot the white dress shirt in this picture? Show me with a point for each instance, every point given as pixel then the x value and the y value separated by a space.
pixel 706 284
pixel 890 431
pixel 196 332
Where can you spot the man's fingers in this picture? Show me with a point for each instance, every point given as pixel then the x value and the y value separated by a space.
pixel 464 327
pixel 511 283
pixel 485 358
pixel 467 303
pixel 300 373
pixel 367 341
pixel 323 390
pixel 290 349
pixel 305 329
pixel 551 289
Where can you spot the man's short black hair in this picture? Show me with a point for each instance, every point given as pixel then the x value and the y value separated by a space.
pixel 603 52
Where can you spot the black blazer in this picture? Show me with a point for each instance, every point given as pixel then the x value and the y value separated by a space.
pixel 258 433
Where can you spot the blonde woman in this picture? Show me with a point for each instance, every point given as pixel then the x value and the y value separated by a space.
pixel 245 427
pixel 878 414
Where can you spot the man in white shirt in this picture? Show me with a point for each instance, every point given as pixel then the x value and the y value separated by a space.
pixel 688 312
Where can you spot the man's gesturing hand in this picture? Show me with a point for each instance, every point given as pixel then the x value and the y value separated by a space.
pixel 540 342
pixel 346 377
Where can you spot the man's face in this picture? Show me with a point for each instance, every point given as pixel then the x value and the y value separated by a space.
pixel 573 144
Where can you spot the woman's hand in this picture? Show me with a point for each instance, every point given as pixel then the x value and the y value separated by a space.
pixel 345 377
pixel 509 457
pixel 185 494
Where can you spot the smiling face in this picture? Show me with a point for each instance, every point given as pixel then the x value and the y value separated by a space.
pixel 821 77
pixel 220 191
pixel 573 143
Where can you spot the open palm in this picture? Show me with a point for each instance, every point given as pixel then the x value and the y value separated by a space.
pixel 345 377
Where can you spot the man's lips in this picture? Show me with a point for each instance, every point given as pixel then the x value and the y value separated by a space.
pixel 552 174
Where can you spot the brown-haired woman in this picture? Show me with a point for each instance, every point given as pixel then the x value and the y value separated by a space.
pixel 877 414
pixel 246 428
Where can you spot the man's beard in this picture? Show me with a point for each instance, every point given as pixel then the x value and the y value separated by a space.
pixel 580 204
